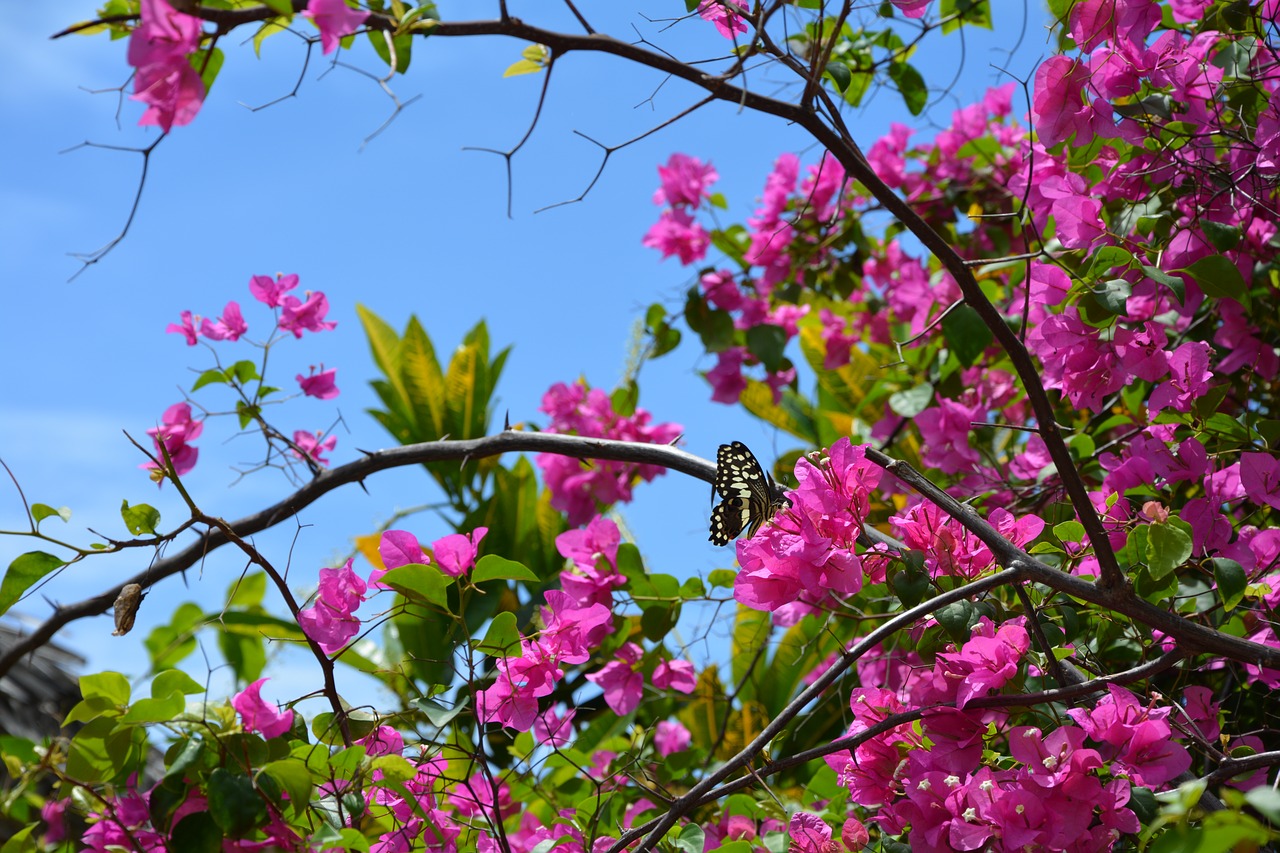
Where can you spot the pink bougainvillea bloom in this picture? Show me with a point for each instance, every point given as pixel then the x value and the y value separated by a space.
pixel 553 729
pixel 675 674
pixel 177 429
pixel 335 20
pixel 309 444
pixel 271 291
pixel 159 48
pixel 229 327
pixel 400 548
pixel 456 553
pixel 671 737
pixel 383 740
pixel 810 834
pixel 319 385
pixel 622 685
pixel 259 715
pixel 912 8
pixel 1260 477
pixel 330 621
pixel 684 181
pixel 727 15
pixel 187 328
pixel 727 381
pixel 675 233
pixel 1189 366
pixel 297 316
pixel 53 814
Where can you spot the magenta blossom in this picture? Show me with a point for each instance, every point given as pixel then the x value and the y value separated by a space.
pixel 622 685
pixel 229 327
pixel 297 316
pixel 271 291
pixel 187 328
pixel 319 385
pixel 261 716
pixel 727 15
pixel 177 429
pixel 310 445
pixel 684 181
pixel 456 553
pixel 330 621
pixel 335 20
pixel 160 48
pixel 671 737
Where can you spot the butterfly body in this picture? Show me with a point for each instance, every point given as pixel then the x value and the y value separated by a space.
pixel 746 493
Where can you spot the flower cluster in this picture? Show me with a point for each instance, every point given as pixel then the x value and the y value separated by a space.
pixel 1064 790
pixel 294 316
pixel 331 620
pixel 578 489
pixel 160 49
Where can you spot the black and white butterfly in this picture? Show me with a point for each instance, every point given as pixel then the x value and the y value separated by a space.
pixel 747 492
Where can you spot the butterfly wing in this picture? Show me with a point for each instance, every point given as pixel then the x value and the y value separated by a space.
pixel 742 484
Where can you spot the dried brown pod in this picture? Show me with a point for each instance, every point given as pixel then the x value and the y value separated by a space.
pixel 126 608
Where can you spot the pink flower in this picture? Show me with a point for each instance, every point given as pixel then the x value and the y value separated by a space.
pixel 383 740
pixel 809 834
pixel 912 8
pixel 159 48
pixel 675 674
pixel 684 181
pixel 187 328
pixel 671 737
pixel 622 685
pixel 397 548
pixel 297 315
pixel 330 621
pixel 456 553
pixel 176 430
pixel 1260 477
pixel 727 15
pixel 230 326
pixel 675 233
pixel 1189 364
pixel 309 444
pixel 270 291
pixel 335 20
pixel 261 716
pixel 552 729
pixel 727 381
pixel 319 385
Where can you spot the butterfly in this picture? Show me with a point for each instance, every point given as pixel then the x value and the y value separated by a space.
pixel 747 493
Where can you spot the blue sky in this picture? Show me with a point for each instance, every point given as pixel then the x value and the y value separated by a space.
pixel 407 223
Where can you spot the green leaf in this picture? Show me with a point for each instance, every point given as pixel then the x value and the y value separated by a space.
pixel 1175 283
pixel 767 343
pixel 169 644
pixel 292 776
pixel 42 511
pixel 175 681
pixel 657 620
pixel 713 326
pixel 722 578
pixel 25 570
pixel 233 803
pixel 1108 258
pixel 1069 531
pixel 839 74
pixel 270 27
pixel 915 94
pixel 284 7
pixel 534 58
pixel 152 710
pixel 1223 237
pixel 1218 277
pixel 197 833
pixel 420 583
pixel 140 519
pixel 913 401
pixel 208 63
pixel 502 638
pixel 111 686
pixel 957 618
pixel 247 591
pixel 1231 580
pixel 1266 800
pixel 691 839
pixel 1113 295
pixel 18 842
pixel 492 567
pixel 966 334
pixel 1168 547
pixel 438 715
